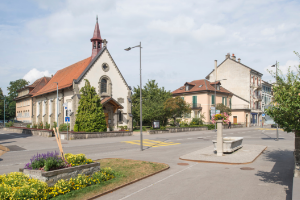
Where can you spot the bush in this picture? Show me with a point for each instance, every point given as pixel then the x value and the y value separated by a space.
pixel 75 128
pixel 40 125
pixel 78 159
pixel 64 127
pixel 9 124
pixel 47 162
pixel 195 121
pixel 134 123
pixel 47 126
pixel 144 128
pixel 28 126
pixel 34 126
pixel 16 185
pixel 161 128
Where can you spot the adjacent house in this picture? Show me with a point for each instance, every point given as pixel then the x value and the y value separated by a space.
pixel 24 99
pixel 245 83
pixel 102 72
pixel 201 95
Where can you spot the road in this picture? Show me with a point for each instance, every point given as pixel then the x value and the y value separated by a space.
pixel 271 178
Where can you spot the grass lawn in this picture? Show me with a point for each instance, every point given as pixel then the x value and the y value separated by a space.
pixel 127 170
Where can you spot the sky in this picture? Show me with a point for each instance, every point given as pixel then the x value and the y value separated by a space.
pixel 180 39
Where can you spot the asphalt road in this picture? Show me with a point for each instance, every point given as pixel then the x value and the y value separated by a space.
pixel 271 178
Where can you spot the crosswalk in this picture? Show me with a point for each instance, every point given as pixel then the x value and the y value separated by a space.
pixel 151 143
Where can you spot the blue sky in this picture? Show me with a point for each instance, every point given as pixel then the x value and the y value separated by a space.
pixel 180 39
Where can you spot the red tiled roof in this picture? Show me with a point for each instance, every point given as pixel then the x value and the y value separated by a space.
pixel 65 77
pixel 39 84
pixel 206 86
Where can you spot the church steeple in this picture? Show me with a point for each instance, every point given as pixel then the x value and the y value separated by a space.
pixel 96 40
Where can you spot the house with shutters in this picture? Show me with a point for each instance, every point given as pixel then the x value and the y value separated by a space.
pixel 200 94
pixel 103 74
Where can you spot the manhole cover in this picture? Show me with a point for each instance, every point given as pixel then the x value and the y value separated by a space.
pixel 247 168
pixel 15 148
pixel 182 163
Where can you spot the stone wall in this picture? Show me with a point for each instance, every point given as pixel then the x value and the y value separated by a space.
pixel 51 177
pixel 78 135
pixel 43 133
pixel 175 130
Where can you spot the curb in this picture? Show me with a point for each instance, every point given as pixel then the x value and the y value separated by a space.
pixel 225 163
pixel 126 184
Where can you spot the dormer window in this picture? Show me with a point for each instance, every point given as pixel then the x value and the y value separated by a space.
pixel 186 87
pixel 218 87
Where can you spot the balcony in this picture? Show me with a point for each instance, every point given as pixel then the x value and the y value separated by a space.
pixel 256 86
pixel 196 106
pixel 240 107
pixel 257 97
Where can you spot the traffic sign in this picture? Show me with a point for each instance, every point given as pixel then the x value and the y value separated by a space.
pixel 67 119
pixel 263 115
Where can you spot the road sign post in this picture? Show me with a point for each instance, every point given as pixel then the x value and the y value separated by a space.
pixel 67 118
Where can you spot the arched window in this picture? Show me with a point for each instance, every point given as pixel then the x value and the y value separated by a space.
pixel 103 85
pixel 99 44
pixel 94 45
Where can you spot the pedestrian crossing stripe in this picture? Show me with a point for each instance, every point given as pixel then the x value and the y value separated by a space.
pixel 270 129
pixel 151 143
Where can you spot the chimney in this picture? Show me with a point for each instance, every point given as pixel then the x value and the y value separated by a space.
pixel 216 70
pixel 233 56
pixel 227 56
pixel 239 60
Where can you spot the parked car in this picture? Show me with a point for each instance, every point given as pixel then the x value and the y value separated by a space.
pixel 274 126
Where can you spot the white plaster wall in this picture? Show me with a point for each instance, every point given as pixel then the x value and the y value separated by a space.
pixel 119 88
pixel 238 78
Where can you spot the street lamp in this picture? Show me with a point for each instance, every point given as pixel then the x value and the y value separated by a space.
pixel 141 124
pixel 276 84
pixel 4 111
pixel 216 99
pixel 56 103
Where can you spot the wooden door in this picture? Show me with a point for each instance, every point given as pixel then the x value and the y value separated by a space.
pixel 235 119
pixel 106 119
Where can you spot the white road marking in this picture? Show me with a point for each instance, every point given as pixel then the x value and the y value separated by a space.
pixel 157 182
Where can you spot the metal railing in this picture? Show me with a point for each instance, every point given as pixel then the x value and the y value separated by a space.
pixel 196 106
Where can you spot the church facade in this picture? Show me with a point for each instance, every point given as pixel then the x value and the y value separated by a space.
pixel 103 74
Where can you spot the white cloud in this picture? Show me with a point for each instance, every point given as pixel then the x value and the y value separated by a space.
pixel 35 74
pixel 208 31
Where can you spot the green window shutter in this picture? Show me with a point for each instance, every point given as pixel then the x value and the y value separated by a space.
pixel 212 99
pixel 230 103
pixel 182 98
pixel 225 101
pixel 194 101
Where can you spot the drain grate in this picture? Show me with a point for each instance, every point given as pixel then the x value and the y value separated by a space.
pixel 247 168
pixel 182 163
pixel 15 148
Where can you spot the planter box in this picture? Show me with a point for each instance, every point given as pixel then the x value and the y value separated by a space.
pixel 157 131
pixel 51 177
pixel 230 144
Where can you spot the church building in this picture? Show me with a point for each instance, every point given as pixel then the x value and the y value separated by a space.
pixel 103 74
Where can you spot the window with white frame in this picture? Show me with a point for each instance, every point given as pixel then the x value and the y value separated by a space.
pixel 50 107
pixel 38 109
pixel 44 108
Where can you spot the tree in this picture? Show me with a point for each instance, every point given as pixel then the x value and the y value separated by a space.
pixel 153 99
pixel 286 104
pixel 1 104
pixel 223 108
pixel 14 86
pixel 90 116
pixel 176 107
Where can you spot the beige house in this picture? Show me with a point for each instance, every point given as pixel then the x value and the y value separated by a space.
pixel 201 95
pixel 103 74
pixel 24 99
pixel 246 85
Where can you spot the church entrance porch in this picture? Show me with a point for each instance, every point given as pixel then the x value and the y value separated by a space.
pixel 110 107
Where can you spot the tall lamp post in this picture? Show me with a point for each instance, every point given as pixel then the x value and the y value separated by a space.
pixel 141 124
pixel 4 111
pixel 216 99
pixel 276 84
pixel 56 103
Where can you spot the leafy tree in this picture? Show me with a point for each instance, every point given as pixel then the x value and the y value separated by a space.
pixel 90 116
pixel 223 108
pixel 153 99
pixel 14 86
pixel 1 104
pixel 176 107
pixel 286 104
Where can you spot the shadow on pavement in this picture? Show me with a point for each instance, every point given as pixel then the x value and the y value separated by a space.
pixel 282 172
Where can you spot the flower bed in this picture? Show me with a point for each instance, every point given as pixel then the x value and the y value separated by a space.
pixel 17 185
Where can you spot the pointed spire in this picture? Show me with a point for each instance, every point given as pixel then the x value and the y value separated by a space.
pixel 96 40
pixel 96 31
